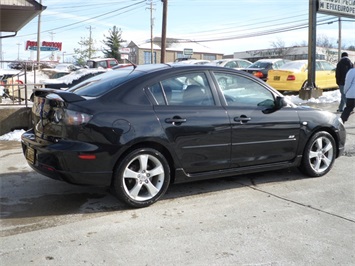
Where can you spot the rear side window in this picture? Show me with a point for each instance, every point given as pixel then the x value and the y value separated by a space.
pixel 188 89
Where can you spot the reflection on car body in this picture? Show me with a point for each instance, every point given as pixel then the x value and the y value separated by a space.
pixel 141 129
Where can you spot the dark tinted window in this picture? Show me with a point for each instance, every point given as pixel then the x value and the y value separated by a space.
pixel 260 65
pixel 186 89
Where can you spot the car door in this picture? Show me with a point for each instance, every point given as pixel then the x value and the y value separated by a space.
pixel 197 128
pixel 321 75
pixel 260 134
pixel 329 71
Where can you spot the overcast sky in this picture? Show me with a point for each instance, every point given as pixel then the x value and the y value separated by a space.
pixel 225 26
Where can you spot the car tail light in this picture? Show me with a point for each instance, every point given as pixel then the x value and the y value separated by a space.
pixel 73 118
pixel 291 77
pixel 258 74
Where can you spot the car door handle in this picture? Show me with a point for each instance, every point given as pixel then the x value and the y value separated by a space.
pixel 175 120
pixel 242 119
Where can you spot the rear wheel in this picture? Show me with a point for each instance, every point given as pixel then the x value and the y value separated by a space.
pixel 319 155
pixel 142 177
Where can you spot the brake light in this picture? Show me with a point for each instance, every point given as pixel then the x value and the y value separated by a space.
pixel 291 77
pixel 258 74
pixel 73 118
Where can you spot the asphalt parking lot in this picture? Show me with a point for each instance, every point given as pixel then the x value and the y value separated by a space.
pixel 272 218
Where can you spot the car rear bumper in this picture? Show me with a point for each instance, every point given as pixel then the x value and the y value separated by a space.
pixel 63 161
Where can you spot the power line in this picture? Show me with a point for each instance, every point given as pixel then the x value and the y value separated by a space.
pixel 88 19
pixel 255 34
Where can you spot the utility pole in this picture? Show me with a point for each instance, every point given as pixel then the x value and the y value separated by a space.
pixel 39 37
pixel 90 42
pixel 163 34
pixel 151 32
pixel 18 50
pixel 52 33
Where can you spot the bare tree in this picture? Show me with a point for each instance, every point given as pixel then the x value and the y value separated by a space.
pixel 279 48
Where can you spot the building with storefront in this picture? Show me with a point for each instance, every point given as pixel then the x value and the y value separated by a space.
pixel 141 53
pixel 293 53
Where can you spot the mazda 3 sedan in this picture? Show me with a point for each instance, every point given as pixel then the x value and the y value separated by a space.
pixel 139 129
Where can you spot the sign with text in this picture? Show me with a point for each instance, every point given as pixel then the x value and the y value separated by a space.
pixel 188 51
pixel 52 46
pixel 43 48
pixel 124 50
pixel 340 8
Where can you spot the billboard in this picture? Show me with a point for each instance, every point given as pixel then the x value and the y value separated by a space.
pixel 340 8
pixel 46 46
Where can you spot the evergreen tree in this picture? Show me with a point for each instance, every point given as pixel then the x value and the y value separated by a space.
pixel 87 51
pixel 113 43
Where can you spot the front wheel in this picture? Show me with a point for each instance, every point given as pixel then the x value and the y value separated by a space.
pixel 319 155
pixel 142 177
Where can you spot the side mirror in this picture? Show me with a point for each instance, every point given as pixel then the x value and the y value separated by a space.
pixel 279 102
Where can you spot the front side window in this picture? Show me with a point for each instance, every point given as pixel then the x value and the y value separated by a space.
pixel 190 89
pixel 244 92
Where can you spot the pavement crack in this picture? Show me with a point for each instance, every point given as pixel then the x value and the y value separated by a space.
pixel 299 203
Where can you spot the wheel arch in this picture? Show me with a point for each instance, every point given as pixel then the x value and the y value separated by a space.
pixel 331 132
pixel 153 145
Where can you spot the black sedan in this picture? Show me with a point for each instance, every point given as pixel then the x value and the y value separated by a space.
pixel 139 129
pixel 261 67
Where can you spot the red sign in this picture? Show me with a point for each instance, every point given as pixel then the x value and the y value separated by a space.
pixel 57 45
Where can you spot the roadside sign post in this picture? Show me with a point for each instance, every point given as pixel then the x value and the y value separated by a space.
pixel 310 90
pixel 329 7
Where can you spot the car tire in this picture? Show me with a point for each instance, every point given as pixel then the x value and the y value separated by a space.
pixel 141 178
pixel 319 155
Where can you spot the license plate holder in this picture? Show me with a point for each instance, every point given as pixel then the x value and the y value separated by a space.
pixel 31 155
pixel 276 77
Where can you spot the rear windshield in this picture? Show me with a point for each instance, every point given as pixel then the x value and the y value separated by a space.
pixel 260 65
pixel 100 84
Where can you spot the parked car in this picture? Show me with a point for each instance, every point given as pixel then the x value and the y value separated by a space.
pixel 72 78
pixel 60 70
pixel 293 76
pixel 232 63
pixel 261 67
pixel 101 63
pixel 141 128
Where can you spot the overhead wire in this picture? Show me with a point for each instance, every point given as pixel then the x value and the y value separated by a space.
pixel 91 18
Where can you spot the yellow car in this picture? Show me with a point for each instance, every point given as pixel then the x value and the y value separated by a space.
pixel 293 75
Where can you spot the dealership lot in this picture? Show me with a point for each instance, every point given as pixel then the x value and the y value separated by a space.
pixel 273 218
